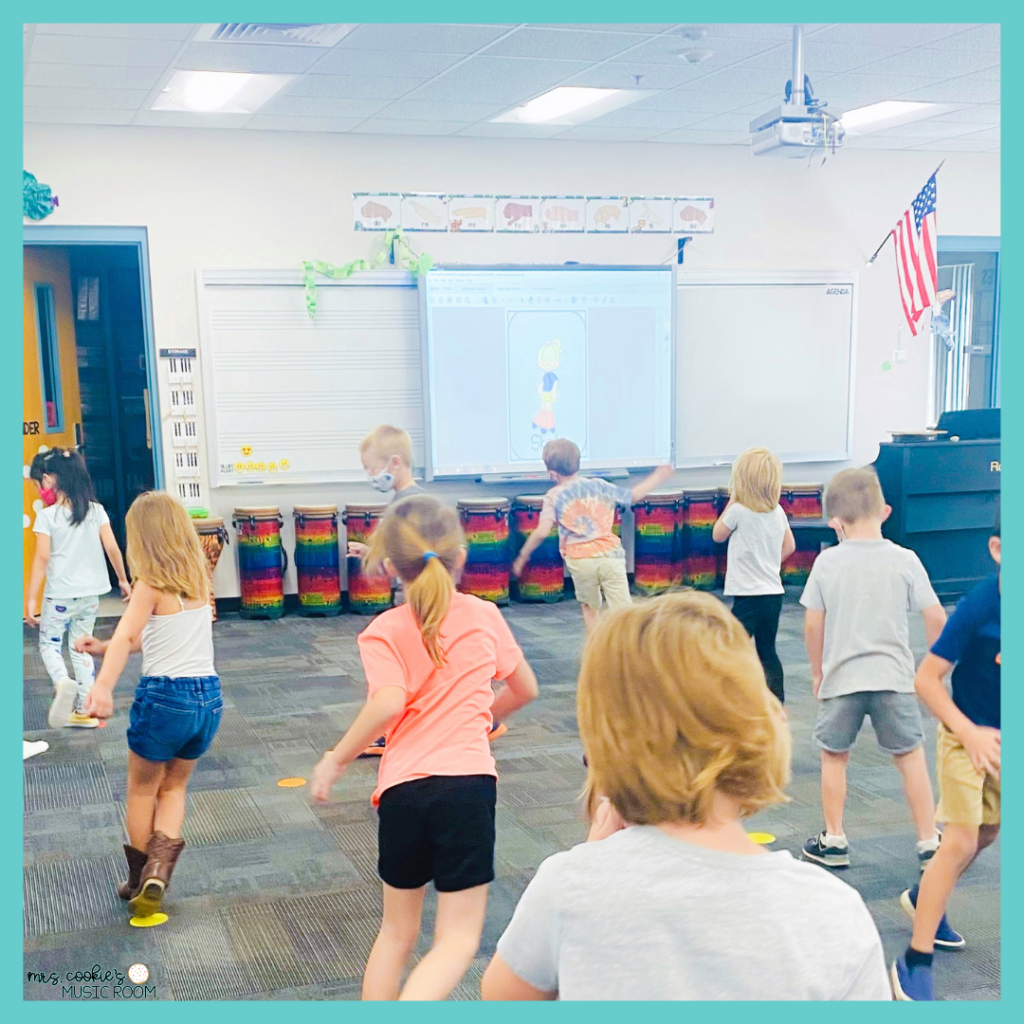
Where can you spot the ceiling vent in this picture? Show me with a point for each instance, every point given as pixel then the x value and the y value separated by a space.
pixel 280 35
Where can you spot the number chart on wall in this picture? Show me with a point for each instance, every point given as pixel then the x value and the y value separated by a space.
pixel 288 398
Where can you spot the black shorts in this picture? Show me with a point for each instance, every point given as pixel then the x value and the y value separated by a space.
pixel 438 829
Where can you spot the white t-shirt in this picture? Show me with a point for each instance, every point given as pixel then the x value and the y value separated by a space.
pixel 755 551
pixel 78 566
pixel 644 916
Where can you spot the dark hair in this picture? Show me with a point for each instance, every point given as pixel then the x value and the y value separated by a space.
pixel 73 480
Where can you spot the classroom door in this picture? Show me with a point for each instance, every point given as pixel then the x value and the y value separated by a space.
pixel 52 409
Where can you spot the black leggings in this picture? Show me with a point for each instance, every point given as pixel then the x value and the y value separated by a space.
pixel 760 617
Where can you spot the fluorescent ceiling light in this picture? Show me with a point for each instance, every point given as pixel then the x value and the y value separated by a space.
pixel 887 114
pixel 569 104
pixel 219 92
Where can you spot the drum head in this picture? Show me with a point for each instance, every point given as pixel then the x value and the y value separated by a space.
pixel 257 512
pixel 803 488
pixel 530 500
pixel 315 511
pixel 661 498
pixel 372 508
pixel 708 494
pixel 483 504
pixel 211 524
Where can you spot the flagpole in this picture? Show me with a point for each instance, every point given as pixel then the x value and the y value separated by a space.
pixel 888 236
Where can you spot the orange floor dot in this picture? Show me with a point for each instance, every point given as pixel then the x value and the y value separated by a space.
pixel 148 922
pixel 761 838
pixel 291 783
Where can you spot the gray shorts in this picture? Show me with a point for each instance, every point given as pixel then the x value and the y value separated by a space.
pixel 895 717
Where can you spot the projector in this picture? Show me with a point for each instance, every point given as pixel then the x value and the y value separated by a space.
pixel 793 131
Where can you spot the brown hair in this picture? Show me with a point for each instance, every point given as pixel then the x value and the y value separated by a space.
pixel 854 494
pixel 561 456
pixel 384 441
pixel 163 547
pixel 672 707
pixel 422 538
pixel 756 481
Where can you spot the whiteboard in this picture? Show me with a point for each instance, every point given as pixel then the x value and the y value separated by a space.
pixel 289 398
pixel 766 360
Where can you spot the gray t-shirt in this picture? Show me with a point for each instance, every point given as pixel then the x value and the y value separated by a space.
pixel 867 589
pixel 755 551
pixel 407 492
pixel 642 915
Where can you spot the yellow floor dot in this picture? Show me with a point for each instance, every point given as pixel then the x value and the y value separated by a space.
pixel 148 922
pixel 761 838
pixel 291 783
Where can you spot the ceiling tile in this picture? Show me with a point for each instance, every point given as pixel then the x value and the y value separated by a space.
pixel 930 129
pixel 741 79
pixel 926 62
pixel 410 110
pixel 636 27
pixel 92 76
pixel 102 99
pixel 321 106
pixel 887 35
pixel 376 126
pixel 562 45
pixel 89 50
pixel 666 50
pixel 864 87
pixel 353 87
pixel 820 58
pixel 255 57
pixel 47 115
pixel 709 138
pixel 983 37
pixel 986 135
pixel 724 123
pixel 489 130
pixel 619 75
pixel 874 142
pixel 979 113
pixel 303 124
pixel 185 119
pixel 633 117
pixel 138 31
pixel 499 79
pixel 691 100
pixel 958 146
pixel 594 133
pixel 461 39
pixel 385 63
pixel 966 89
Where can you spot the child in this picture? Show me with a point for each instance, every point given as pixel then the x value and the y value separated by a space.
pixel 178 704
pixel 584 509
pixel 686 740
pixel 760 540
pixel 429 665
pixel 967 765
pixel 72 532
pixel 857 599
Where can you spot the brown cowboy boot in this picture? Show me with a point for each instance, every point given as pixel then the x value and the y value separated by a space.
pixel 136 862
pixel 162 854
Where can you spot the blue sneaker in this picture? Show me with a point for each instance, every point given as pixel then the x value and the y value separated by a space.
pixel 831 856
pixel 946 936
pixel 911 984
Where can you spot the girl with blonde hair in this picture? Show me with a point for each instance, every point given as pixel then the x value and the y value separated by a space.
pixel 684 741
pixel 177 707
pixel 429 667
pixel 760 540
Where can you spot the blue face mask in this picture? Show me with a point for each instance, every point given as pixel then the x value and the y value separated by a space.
pixel 382 481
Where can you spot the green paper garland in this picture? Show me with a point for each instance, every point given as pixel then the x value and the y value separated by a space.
pixel 37 201
pixel 394 246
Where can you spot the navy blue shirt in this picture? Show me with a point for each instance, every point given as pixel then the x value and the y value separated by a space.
pixel 971 642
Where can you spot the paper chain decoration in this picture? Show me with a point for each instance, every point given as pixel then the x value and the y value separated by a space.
pixel 36 200
pixel 394 248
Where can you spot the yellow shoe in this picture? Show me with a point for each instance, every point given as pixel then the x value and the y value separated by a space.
pixel 80 721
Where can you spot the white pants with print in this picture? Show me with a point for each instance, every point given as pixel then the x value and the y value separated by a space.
pixel 75 616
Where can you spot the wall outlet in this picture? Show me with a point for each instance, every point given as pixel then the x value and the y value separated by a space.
pixel 899 355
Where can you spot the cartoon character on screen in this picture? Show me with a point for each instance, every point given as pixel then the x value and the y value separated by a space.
pixel 548 359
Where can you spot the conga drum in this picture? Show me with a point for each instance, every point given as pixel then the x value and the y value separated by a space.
pixel 262 561
pixel 212 536
pixel 700 555
pixel 797 567
pixel 657 550
pixel 317 562
pixel 368 593
pixel 543 579
pixel 802 501
pixel 722 550
pixel 485 524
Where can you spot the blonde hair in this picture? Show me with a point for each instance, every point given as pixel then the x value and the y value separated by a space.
pixel 854 494
pixel 756 480
pixel 385 441
pixel 673 707
pixel 423 539
pixel 561 456
pixel 551 352
pixel 163 547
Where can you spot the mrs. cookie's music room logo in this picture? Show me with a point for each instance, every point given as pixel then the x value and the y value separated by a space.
pixel 97 982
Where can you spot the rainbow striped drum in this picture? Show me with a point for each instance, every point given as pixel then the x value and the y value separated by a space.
pixel 700 555
pixel 212 536
pixel 543 579
pixel 802 501
pixel 485 523
pixel 797 567
pixel 317 563
pixel 368 593
pixel 722 550
pixel 262 561
pixel 657 543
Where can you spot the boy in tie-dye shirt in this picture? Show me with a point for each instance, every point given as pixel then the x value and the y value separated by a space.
pixel 584 509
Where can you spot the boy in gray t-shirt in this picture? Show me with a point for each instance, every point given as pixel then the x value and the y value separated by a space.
pixel 857 602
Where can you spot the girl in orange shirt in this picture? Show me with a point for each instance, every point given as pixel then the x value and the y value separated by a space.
pixel 429 666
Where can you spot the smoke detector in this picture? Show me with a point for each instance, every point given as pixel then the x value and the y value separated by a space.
pixel 695 56
pixel 693 33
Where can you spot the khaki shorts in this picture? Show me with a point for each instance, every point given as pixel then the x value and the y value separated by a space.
pixel 603 576
pixel 966 796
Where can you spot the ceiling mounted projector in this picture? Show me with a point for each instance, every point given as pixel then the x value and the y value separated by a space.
pixel 801 125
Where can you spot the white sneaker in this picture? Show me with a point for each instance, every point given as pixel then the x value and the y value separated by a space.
pixel 63 704
pixel 32 748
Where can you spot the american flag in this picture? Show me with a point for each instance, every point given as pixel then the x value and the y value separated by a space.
pixel 916 261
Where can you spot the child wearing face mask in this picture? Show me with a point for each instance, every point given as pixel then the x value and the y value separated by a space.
pixel 72 533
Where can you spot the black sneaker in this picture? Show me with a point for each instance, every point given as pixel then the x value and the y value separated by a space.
pixel 924 857
pixel 831 856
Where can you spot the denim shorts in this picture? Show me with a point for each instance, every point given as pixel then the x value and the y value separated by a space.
pixel 174 717
pixel 895 717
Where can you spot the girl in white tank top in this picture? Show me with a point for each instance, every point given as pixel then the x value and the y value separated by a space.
pixel 178 703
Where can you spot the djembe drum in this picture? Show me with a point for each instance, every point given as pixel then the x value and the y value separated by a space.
pixel 262 561
pixel 213 535
pixel 485 524
pixel 368 593
pixel 802 501
pixel 700 556
pixel 317 562
pixel 657 544
pixel 543 579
